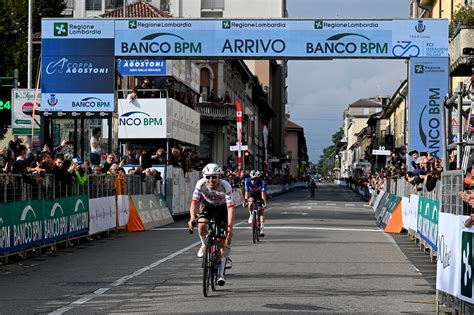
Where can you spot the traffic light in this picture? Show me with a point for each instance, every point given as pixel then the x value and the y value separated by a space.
pixel 247 157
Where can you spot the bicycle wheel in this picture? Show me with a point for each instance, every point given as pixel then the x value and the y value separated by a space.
pixel 214 270
pixel 254 227
pixel 207 264
pixel 258 226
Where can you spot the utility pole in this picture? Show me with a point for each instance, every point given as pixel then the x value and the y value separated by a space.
pixel 30 44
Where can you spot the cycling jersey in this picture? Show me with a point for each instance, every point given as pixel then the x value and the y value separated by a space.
pixel 221 195
pixel 256 188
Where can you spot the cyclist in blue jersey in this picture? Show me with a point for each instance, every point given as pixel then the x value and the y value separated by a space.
pixel 255 192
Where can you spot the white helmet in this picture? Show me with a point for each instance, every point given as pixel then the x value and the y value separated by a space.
pixel 211 169
pixel 255 174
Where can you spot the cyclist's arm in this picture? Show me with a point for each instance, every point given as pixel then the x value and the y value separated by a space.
pixel 264 192
pixel 246 190
pixel 193 209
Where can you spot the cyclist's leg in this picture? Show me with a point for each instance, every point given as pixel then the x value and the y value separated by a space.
pixel 203 218
pixel 224 241
pixel 251 202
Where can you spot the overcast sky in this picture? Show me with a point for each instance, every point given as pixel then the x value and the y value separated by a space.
pixel 320 90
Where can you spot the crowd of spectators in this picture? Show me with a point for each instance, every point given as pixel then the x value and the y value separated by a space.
pixel 19 158
pixel 422 171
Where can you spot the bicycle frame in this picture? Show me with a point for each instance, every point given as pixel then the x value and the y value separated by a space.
pixel 211 258
pixel 256 222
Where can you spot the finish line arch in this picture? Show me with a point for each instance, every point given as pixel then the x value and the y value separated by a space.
pixel 78 56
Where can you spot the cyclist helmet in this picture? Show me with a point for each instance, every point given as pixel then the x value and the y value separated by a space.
pixel 211 169
pixel 255 174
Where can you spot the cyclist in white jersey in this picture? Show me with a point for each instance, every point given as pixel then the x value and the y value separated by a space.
pixel 213 197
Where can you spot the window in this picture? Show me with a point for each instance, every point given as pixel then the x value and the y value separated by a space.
pixel 366 111
pixel 94 5
pixel 212 4
pixel 113 4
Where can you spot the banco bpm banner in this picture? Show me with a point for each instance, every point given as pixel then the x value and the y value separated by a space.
pixel 278 38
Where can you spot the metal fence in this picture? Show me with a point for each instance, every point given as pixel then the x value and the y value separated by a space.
pixel 453 183
pixel 17 188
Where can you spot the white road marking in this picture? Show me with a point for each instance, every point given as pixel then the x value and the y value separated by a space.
pixel 367 206
pixel 138 272
pixel 294 203
pixel 295 207
pixel 312 203
pixel 349 205
pixel 330 204
pixel 290 228
pixel 120 281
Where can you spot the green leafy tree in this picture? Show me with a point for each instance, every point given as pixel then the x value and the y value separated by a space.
pixel 14 38
pixel 326 160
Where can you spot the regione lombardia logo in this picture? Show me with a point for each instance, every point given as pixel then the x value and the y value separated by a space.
pixel 60 29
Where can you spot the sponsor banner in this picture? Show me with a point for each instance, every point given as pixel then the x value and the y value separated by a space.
pixel 414 202
pixel 40 222
pixel 74 47
pixel 406 212
pixel 66 217
pixel 142 119
pixel 77 74
pixel 78 102
pixel 428 79
pixel 123 209
pixel 465 261
pixel 282 38
pixel 448 266
pixel 77 29
pixel 102 214
pixel 23 101
pixel 158 119
pixel 141 67
pixel 428 212
pixel 386 210
pixel 378 199
pixel 153 213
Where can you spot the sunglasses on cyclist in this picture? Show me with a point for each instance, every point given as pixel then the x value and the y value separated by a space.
pixel 213 177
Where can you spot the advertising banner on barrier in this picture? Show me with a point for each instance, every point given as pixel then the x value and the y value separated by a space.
pixel 23 101
pixel 102 214
pixel 405 212
pixel 465 262
pixel 123 208
pixel 386 209
pixel 379 197
pixel 36 222
pixel 428 212
pixel 152 212
pixel 414 201
pixel 448 273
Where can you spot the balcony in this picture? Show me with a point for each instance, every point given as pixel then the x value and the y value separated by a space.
pixel 463 37
pixel 216 111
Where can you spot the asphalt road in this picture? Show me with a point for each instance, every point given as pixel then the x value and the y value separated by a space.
pixel 321 254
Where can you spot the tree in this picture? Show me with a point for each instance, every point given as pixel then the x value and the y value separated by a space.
pixel 326 160
pixel 14 33
pixel 14 37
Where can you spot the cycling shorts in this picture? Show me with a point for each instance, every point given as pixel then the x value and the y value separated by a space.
pixel 219 213
pixel 256 196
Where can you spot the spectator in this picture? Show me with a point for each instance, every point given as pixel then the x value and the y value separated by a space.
pixel 130 157
pixel 159 157
pixel 108 163
pixel 96 149
pixel 132 97
pixel 212 97
pixel 175 158
pixel 145 159
pixel 227 99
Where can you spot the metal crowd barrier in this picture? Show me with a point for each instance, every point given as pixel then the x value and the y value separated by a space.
pixel 17 187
